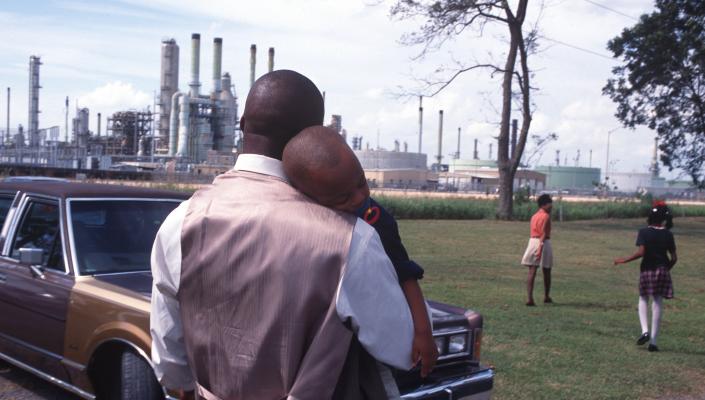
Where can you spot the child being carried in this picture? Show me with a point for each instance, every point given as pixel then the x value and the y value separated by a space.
pixel 320 164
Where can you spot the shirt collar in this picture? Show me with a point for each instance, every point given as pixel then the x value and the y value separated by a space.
pixel 261 165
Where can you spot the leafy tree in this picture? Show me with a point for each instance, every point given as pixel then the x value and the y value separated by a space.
pixel 447 19
pixel 661 81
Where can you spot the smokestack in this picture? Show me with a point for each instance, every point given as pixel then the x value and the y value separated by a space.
pixel 490 155
pixel 558 158
pixel 439 157
pixel 457 153
pixel 99 124
pixel 195 63
pixel 514 137
pixel 270 65
pixel 253 62
pixel 217 64
pixel 7 127
pixel 654 161
pixel 66 121
pixel 420 121
pixel 33 119
pixel 474 152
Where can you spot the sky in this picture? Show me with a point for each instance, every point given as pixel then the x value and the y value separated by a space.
pixel 105 55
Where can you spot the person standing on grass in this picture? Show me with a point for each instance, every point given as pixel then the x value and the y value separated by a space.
pixel 539 252
pixel 655 244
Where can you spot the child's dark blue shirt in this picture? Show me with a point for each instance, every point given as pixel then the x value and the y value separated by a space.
pixel 388 231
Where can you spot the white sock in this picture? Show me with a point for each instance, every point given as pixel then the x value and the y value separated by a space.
pixel 656 307
pixel 643 313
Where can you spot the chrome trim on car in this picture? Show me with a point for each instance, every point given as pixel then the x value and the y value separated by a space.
pixel 448 388
pixel 47 377
pixel 73 364
pixel 74 260
pixel 10 213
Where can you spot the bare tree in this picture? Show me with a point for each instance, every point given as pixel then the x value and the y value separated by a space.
pixel 446 19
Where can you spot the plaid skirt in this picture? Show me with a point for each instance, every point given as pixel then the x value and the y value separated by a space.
pixel 656 282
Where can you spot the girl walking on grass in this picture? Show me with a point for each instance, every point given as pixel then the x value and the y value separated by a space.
pixel 655 244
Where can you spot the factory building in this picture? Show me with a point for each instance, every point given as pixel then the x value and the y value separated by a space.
pixel 483 176
pixel 631 182
pixel 570 178
pixel 396 169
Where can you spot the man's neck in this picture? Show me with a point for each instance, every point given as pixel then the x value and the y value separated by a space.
pixel 261 145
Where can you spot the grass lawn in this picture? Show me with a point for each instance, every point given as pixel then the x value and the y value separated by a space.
pixel 583 345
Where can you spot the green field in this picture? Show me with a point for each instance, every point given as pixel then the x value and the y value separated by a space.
pixel 583 346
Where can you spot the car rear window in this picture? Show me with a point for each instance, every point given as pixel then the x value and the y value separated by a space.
pixel 113 236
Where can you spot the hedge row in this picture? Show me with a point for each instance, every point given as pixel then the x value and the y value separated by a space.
pixel 435 208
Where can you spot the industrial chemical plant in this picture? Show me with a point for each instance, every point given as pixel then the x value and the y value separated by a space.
pixel 189 127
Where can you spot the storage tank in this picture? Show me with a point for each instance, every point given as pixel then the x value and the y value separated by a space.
pixel 560 177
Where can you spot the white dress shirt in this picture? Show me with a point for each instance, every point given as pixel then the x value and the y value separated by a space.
pixel 368 294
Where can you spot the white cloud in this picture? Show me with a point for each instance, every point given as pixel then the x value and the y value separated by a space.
pixel 115 95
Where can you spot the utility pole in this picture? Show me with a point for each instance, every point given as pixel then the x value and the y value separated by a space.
pixel 420 121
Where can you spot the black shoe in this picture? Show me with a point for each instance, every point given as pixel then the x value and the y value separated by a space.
pixel 643 338
pixel 653 347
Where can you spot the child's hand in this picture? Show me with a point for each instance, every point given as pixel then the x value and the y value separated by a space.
pixel 424 351
pixel 618 261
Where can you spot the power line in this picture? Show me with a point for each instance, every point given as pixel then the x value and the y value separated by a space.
pixel 611 10
pixel 572 46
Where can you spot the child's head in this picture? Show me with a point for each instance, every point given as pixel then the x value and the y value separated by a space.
pixel 545 202
pixel 320 164
pixel 660 214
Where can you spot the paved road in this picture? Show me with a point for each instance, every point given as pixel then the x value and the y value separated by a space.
pixel 15 384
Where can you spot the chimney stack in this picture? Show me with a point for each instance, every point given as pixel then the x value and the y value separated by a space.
pixel 217 65
pixel 475 156
pixel 457 153
pixel 490 155
pixel 7 127
pixel 99 124
pixel 195 64
pixel 439 157
pixel 253 63
pixel 270 64
pixel 558 158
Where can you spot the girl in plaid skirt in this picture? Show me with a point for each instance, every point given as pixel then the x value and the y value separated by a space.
pixel 656 244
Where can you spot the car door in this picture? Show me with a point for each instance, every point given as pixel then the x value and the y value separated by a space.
pixel 36 301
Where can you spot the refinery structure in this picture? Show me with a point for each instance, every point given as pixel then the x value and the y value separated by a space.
pixel 190 126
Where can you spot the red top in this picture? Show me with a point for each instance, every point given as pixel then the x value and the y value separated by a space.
pixel 537 223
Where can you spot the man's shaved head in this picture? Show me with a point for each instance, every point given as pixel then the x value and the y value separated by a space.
pixel 279 105
pixel 319 163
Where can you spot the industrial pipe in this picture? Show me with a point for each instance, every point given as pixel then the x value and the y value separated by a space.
pixel 174 123
pixel 195 63
pixel 217 63
pixel 184 113
pixel 270 64
pixel 253 62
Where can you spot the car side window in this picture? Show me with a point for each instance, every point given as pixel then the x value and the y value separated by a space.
pixel 5 204
pixel 40 230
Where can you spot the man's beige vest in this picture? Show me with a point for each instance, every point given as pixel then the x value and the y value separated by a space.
pixel 261 264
